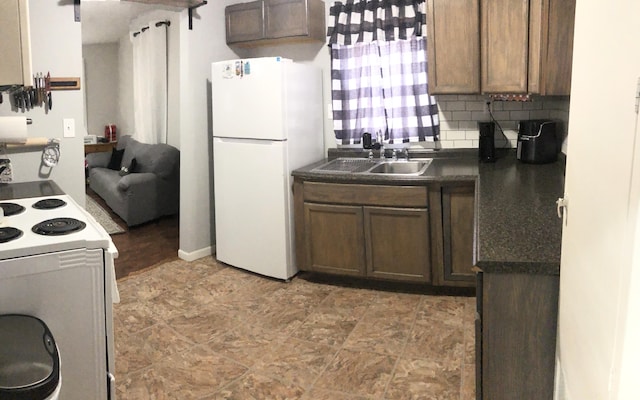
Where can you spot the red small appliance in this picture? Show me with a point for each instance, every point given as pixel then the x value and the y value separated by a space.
pixel 110 132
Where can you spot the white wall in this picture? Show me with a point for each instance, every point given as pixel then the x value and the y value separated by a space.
pixel 125 87
pixel 598 352
pixel 101 85
pixel 56 48
pixel 199 47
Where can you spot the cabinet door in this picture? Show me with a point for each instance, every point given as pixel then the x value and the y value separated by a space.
pixel 453 45
pixel 15 62
pixel 519 325
pixel 334 239
pixel 284 18
pixel 244 22
pixel 458 206
pixel 505 45
pixel 397 243
pixel 559 48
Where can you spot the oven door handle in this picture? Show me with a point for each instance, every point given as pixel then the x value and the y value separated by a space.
pixel 111 386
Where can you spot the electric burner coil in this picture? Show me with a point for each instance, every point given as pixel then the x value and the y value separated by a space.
pixel 58 226
pixel 8 234
pixel 11 209
pixel 49 204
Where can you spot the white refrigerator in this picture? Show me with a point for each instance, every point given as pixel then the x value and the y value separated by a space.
pixel 267 121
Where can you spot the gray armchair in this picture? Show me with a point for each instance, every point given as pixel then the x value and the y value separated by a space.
pixel 151 190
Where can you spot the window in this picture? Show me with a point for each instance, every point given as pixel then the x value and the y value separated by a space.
pixel 379 71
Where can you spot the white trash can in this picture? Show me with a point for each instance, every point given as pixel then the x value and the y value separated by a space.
pixel 29 359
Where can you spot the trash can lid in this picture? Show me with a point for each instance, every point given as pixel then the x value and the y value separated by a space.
pixel 29 361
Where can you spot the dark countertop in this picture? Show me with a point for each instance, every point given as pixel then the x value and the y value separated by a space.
pixel 23 190
pixel 518 230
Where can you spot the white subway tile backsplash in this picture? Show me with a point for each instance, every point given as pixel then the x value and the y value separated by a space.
pixel 447 144
pixel 518 115
pixel 480 115
pixel 459 116
pixel 475 105
pixel 452 106
pixel 468 125
pixel 532 105
pixel 470 97
pixel 463 144
pixel 511 105
pixel 455 135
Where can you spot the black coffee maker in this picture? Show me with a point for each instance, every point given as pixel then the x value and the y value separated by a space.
pixel 537 141
pixel 486 147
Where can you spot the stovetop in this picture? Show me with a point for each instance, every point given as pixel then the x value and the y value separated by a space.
pixel 91 236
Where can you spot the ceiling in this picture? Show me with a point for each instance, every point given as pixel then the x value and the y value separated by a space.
pixel 108 21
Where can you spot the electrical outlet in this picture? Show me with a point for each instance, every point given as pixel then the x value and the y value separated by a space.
pixel 69 127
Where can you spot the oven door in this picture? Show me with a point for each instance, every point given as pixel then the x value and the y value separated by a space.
pixel 66 290
pixel 111 296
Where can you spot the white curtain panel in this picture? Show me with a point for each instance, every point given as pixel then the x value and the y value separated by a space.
pixel 150 84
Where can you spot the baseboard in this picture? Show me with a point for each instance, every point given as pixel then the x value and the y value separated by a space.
pixel 194 255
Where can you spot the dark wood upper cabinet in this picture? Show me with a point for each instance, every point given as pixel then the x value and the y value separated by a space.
pixel 244 22
pixel 500 46
pixel 504 37
pixel 453 43
pixel 269 21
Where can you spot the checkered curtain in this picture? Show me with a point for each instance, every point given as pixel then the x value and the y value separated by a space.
pixel 379 71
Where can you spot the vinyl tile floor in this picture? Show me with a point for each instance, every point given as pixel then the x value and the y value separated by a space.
pixel 202 330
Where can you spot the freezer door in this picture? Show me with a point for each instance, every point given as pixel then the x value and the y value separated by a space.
pixel 248 98
pixel 252 202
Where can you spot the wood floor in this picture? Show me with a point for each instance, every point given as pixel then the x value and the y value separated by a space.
pixel 145 245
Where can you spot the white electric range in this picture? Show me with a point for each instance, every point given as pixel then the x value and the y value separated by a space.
pixel 57 264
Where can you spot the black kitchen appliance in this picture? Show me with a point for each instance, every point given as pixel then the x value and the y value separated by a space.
pixel 486 147
pixel 537 141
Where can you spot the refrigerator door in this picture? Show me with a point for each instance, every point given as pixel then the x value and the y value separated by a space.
pixel 252 204
pixel 248 98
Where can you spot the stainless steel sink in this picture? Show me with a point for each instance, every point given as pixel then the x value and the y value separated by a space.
pixel 401 167
pixel 374 166
pixel 346 165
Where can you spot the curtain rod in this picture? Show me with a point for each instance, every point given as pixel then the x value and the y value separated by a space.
pixel 158 24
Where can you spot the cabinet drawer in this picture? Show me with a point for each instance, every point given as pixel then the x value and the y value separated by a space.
pixel 368 195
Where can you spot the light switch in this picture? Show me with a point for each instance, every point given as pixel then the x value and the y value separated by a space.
pixel 69 127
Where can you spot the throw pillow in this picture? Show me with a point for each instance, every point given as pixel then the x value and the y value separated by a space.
pixel 116 159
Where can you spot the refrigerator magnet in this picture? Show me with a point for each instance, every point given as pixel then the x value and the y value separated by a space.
pixel 227 71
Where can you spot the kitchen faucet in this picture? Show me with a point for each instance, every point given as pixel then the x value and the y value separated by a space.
pixel 379 137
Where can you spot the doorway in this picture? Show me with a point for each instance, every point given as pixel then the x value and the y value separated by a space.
pixel 108 99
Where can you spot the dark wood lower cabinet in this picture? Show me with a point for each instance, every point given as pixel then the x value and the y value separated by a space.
pixel 397 243
pixel 518 325
pixel 334 239
pixel 421 234
pixel 453 233
pixel 373 231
